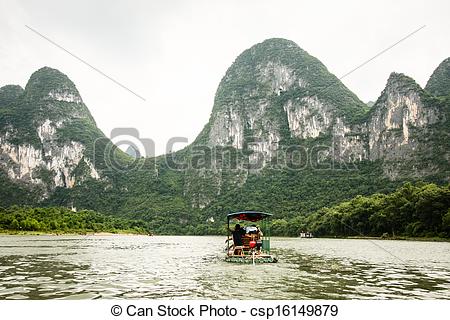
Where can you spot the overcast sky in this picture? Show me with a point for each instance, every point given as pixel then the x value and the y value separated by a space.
pixel 174 53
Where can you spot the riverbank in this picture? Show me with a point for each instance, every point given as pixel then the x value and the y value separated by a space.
pixel 135 233
pixel 72 233
pixel 430 239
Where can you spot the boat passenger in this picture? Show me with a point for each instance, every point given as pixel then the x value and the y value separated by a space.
pixel 251 229
pixel 259 240
pixel 259 232
pixel 237 235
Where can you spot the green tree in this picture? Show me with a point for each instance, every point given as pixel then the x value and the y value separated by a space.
pixel 15 224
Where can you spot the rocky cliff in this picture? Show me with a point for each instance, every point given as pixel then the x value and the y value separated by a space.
pixel 276 96
pixel 398 130
pixel 273 91
pixel 35 147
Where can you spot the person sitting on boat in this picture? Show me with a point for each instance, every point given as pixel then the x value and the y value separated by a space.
pixel 251 229
pixel 238 242
pixel 259 232
pixel 259 239
pixel 237 235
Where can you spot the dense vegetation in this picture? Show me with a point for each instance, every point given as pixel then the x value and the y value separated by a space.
pixel 63 220
pixel 420 210
pixel 289 193
pixel 439 83
pixel 413 210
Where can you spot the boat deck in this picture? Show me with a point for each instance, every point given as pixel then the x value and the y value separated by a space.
pixel 263 258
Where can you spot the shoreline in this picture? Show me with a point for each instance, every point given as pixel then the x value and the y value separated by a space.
pixel 398 238
pixel 127 233
pixel 72 233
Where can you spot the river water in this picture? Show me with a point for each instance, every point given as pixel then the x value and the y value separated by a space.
pixel 182 267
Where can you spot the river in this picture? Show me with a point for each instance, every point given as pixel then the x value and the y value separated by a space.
pixel 184 267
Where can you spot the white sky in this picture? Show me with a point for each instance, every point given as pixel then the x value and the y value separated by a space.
pixel 174 53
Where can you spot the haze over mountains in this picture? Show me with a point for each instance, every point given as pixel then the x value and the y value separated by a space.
pixel 284 136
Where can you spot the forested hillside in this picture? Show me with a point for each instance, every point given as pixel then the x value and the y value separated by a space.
pixel 413 210
pixel 284 136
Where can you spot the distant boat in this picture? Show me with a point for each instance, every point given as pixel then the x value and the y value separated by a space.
pixel 306 234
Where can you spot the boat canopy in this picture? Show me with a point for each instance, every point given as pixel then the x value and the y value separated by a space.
pixel 248 215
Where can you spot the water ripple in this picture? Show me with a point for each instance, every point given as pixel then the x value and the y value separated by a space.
pixel 93 267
